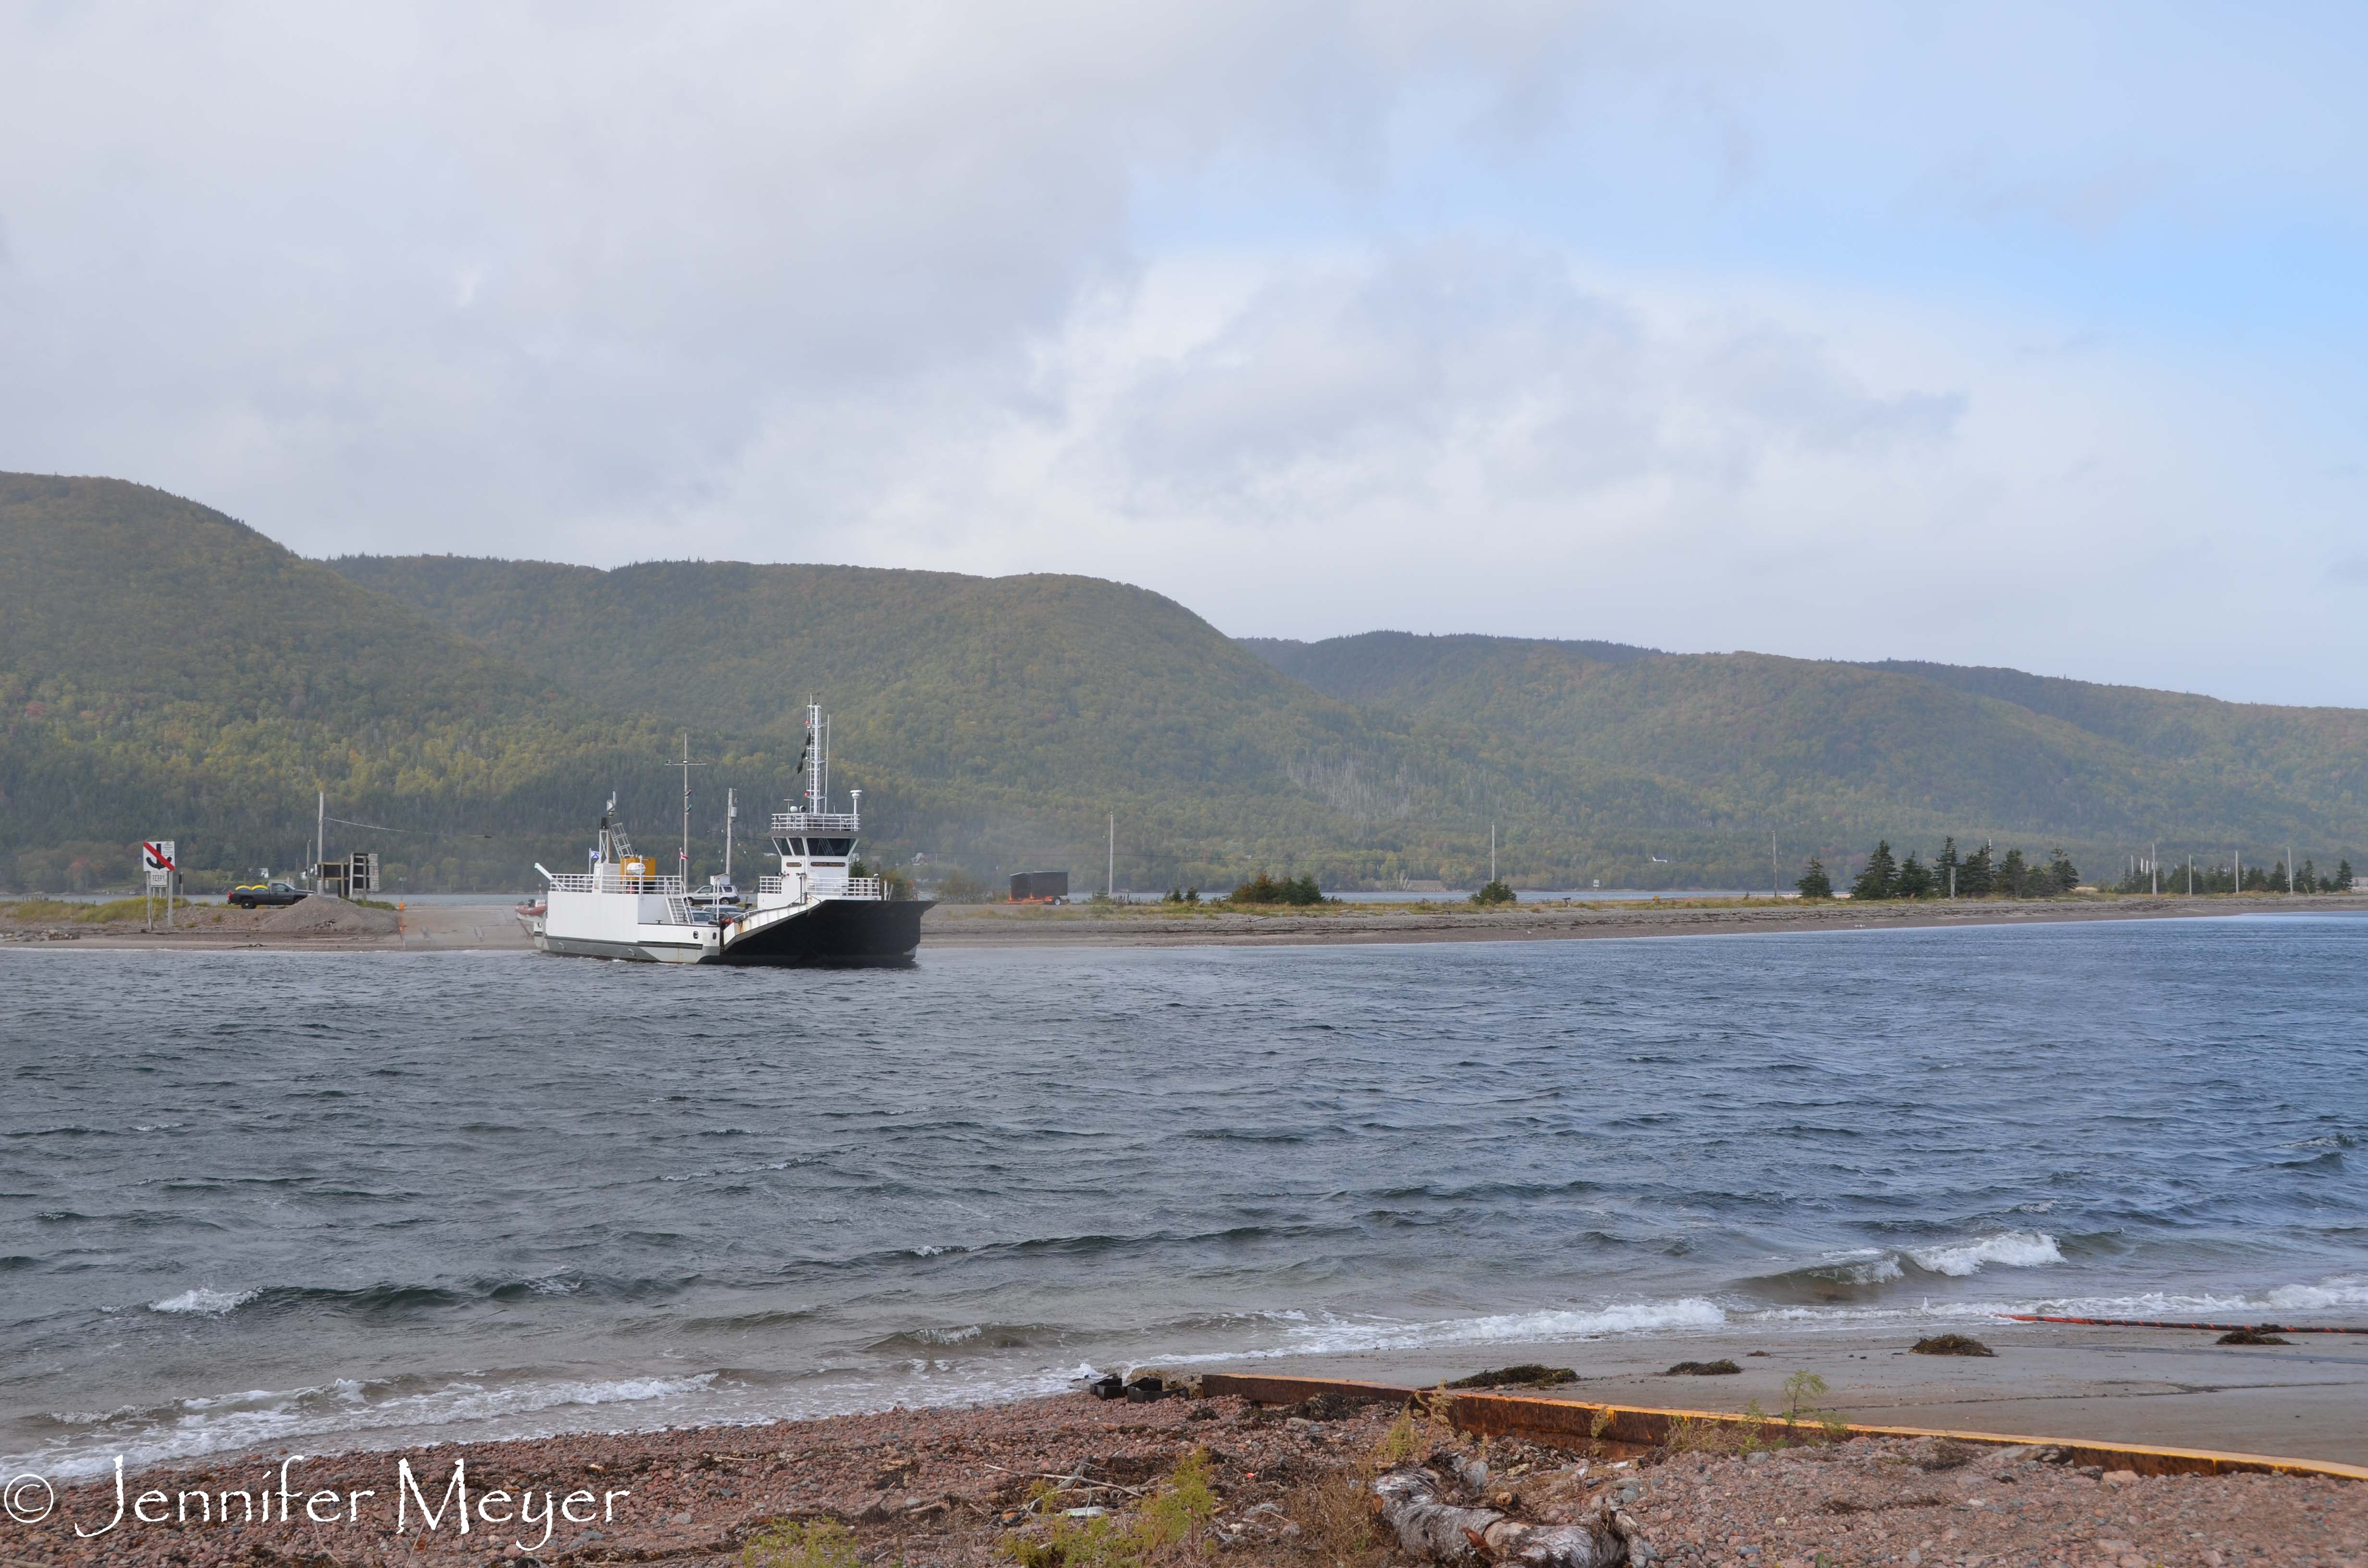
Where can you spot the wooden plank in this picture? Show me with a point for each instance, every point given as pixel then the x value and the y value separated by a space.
pixel 1576 1424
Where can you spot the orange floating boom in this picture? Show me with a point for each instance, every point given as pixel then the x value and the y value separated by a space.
pixel 2204 1327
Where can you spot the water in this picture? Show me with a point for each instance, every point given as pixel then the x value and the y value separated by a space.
pixel 261 1197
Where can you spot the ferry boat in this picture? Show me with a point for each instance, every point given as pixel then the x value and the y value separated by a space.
pixel 812 912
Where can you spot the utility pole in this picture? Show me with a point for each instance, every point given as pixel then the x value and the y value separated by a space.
pixel 1492 851
pixel 321 839
pixel 682 862
pixel 1109 883
pixel 731 816
pixel 1773 872
pixel 2154 863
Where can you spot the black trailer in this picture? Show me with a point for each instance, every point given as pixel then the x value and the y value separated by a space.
pixel 1039 887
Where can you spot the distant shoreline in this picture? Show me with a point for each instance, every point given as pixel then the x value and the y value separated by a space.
pixel 991 926
pixel 490 927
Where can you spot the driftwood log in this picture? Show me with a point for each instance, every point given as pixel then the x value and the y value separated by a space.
pixel 1416 1502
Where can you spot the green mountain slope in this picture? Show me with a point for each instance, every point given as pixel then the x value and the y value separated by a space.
pixel 1828 755
pixel 167 671
pixel 997 720
pixel 2314 755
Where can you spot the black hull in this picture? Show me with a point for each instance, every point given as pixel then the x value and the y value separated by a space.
pixel 836 933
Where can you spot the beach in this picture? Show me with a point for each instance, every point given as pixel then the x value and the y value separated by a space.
pixel 1290 1485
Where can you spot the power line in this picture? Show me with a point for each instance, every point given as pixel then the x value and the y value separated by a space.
pixel 414 832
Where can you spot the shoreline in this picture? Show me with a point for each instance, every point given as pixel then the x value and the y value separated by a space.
pixel 951 1483
pixel 491 928
pixel 992 925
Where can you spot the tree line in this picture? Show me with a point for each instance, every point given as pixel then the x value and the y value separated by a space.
pixel 1984 874
pixel 1951 874
pixel 2143 877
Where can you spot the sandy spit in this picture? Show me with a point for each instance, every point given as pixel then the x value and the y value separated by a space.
pixel 993 926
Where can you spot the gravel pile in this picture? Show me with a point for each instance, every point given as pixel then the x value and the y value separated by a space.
pixel 325 917
pixel 950 1488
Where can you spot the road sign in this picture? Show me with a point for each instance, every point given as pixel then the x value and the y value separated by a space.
pixel 156 855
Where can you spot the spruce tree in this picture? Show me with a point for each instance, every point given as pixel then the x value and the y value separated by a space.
pixel 2061 872
pixel 1945 867
pixel 1977 878
pixel 1881 872
pixel 2011 872
pixel 1814 882
pixel 2342 882
pixel 1915 879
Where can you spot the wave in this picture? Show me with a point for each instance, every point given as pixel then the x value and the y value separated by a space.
pixel 2325 1296
pixel 205 1302
pixel 348 1408
pixel 1867 1271
pixel 1334 1336
pixel 2009 1249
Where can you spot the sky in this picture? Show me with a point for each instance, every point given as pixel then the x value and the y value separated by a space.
pixel 2024 335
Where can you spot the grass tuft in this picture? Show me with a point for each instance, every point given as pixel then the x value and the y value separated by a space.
pixel 819 1543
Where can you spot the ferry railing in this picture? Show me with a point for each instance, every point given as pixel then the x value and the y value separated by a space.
pixel 577 882
pixel 852 887
pixel 816 821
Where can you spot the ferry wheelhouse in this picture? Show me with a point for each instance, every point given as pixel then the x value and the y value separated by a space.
pixel 815 912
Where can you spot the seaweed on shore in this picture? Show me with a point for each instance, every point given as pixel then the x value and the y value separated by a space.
pixel 1702 1369
pixel 1951 1345
pixel 1529 1374
pixel 2251 1337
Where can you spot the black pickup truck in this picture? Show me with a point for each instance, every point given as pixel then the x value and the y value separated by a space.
pixel 255 893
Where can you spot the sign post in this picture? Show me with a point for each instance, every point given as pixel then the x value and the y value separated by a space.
pixel 156 857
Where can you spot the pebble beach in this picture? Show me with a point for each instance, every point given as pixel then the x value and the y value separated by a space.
pixel 969 1488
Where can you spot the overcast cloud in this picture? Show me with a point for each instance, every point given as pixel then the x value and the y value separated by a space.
pixel 2021 334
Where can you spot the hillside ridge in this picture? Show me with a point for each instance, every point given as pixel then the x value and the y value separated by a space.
pixel 164 668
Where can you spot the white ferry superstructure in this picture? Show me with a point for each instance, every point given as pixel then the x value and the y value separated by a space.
pixel 814 912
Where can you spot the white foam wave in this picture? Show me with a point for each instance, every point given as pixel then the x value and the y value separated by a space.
pixel 1336 1336
pixel 346 1409
pixel 204 1301
pixel 2009 1249
pixel 2327 1295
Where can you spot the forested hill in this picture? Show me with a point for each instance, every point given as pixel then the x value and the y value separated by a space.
pixel 167 671
pixel 1920 749
pixel 997 720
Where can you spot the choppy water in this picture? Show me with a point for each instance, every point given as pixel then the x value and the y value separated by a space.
pixel 259 1197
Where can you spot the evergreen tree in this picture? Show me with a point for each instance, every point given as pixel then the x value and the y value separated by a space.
pixel 1814 882
pixel 2012 873
pixel 2307 882
pixel 1977 878
pixel 1945 867
pixel 2342 882
pixel 2061 871
pixel 1881 872
pixel 1915 879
